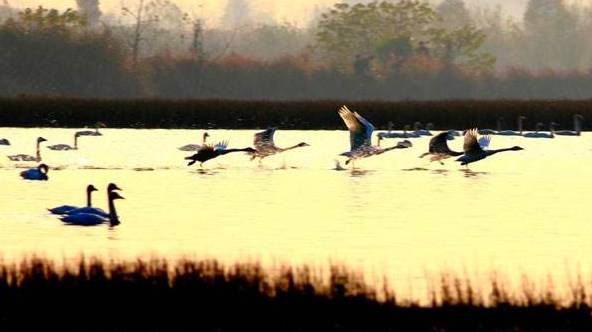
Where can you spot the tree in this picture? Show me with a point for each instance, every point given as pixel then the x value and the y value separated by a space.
pixel 550 30
pixel 90 10
pixel 237 13
pixel 454 14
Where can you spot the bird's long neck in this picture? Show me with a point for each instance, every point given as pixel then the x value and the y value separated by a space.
pixel 455 153
pixel 112 212
pixel 38 152
pixel 491 152
pixel 88 198
pixel 499 124
pixel 203 139
pixel 392 148
pixel 235 150
pixel 577 125
pixel 520 125
pixel 289 148
pixel 76 142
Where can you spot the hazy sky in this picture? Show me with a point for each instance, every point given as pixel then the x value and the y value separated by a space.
pixel 284 10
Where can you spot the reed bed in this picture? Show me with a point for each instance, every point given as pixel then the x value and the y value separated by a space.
pixel 238 114
pixel 188 295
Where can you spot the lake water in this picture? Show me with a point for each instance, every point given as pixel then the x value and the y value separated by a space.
pixel 396 215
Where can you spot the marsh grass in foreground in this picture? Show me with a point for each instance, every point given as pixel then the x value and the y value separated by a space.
pixel 189 295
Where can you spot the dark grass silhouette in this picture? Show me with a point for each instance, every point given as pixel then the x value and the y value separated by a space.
pixel 190 295
pixel 237 114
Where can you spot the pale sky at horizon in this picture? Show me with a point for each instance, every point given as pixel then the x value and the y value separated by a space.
pixel 294 11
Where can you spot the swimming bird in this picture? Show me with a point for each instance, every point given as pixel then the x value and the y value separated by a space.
pixel 4 141
pixel 208 152
pixel 426 131
pixel 404 134
pixel 521 118
pixel 93 132
pixel 94 210
pixel 539 134
pixel 38 173
pixel 474 152
pixel 578 118
pixel 67 208
pixel 66 147
pixel 265 146
pixel 195 147
pixel 360 131
pixel 438 148
pixel 90 219
pixel 26 157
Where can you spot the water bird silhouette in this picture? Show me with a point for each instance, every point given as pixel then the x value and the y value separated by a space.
pixel 38 173
pixel 195 147
pixel 539 134
pixel 64 209
pixel 521 118
pixel 438 148
pixel 360 131
pixel 66 147
pixel 4 141
pixel 94 210
pixel 265 145
pixel 473 150
pixel 91 219
pixel 578 118
pixel 208 152
pixel 93 132
pixel 26 157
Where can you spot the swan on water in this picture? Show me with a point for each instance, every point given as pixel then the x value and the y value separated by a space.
pixel 38 173
pixel 4 141
pixel 67 208
pixel 90 219
pixel 26 157
pixel 66 147
pixel 521 118
pixel 208 152
pixel 473 150
pixel 265 146
pixel 578 118
pixel 361 135
pixel 94 210
pixel 539 134
pixel 195 147
pixel 93 132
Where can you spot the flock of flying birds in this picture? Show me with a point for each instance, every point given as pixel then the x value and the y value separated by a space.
pixel 475 148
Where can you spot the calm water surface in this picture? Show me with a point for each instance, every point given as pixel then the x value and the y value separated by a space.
pixel 396 215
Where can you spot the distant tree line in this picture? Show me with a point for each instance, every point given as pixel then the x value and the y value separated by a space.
pixel 381 50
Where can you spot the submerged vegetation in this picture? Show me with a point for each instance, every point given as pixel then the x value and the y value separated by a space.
pixel 236 114
pixel 206 295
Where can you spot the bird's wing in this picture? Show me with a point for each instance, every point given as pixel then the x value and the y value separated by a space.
pixel 264 138
pixel 484 141
pixel 221 146
pixel 439 144
pixel 471 145
pixel 359 128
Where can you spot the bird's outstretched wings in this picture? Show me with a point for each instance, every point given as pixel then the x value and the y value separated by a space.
pixel 471 144
pixel 484 141
pixel 359 128
pixel 264 138
pixel 221 146
pixel 439 143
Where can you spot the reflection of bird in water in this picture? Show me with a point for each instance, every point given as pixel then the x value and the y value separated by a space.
pixel 66 147
pixel 90 219
pixel 4 141
pixel 360 131
pixel 67 208
pixel 473 150
pixel 265 146
pixel 38 173
pixel 577 127
pixel 208 152
pixel 26 157
pixel 195 147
